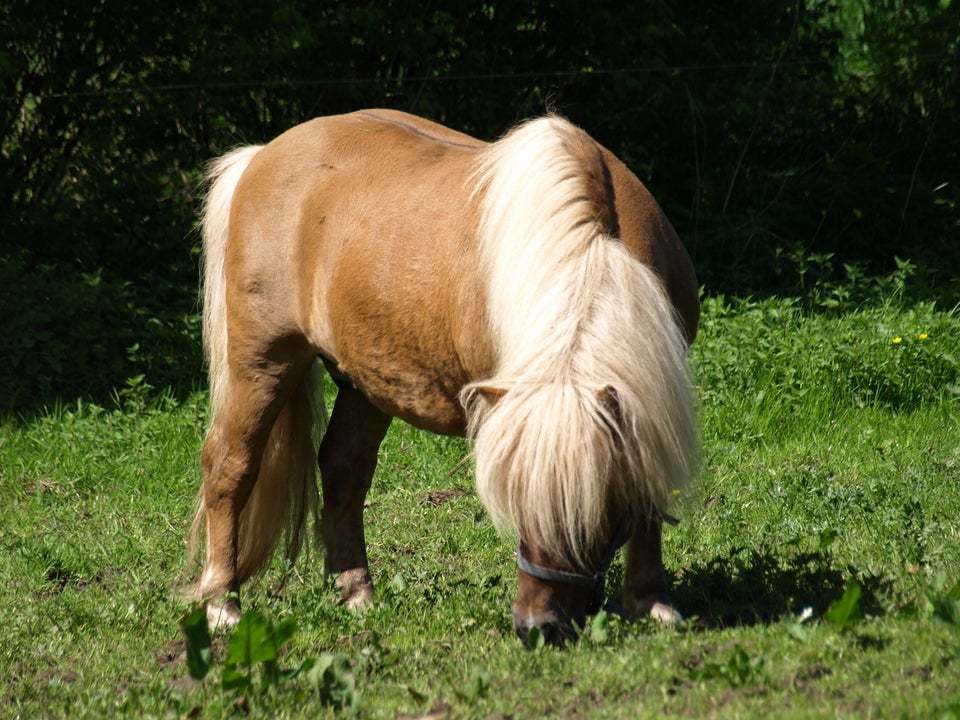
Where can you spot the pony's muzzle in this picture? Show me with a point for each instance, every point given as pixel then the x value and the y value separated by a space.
pixel 555 630
pixel 556 610
pixel 557 602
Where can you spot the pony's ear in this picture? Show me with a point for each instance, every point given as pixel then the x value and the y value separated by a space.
pixel 610 401
pixel 490 394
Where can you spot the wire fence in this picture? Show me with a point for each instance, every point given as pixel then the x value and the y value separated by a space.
pixel 212 85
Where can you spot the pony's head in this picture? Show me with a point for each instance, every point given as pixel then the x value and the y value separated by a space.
pixel 552 464
pixel 555 600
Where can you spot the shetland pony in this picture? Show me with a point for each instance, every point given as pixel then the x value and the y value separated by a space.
pixel 528 293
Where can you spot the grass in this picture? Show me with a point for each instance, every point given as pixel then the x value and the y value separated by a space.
pixel 831 466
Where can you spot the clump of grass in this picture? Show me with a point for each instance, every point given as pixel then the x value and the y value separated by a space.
pixel 902 359
pixel 845 612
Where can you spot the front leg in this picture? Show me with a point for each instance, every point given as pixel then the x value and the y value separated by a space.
pixel 645 582
pixel 347 459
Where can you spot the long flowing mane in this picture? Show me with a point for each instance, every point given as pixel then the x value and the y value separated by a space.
pixel 589 407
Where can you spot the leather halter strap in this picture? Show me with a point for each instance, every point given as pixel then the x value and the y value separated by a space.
pixel 596 580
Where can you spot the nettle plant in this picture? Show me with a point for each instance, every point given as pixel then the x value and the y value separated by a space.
pixel 251 665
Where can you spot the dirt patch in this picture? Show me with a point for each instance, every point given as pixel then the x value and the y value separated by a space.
pixel 583 708
pixel 173 654
pixel 439 712
pixel 66 677
pixel 51 673
pixel 441 497
pixel 172 658
pixel 814 672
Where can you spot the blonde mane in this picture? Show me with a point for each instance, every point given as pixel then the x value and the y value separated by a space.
pixel 592 406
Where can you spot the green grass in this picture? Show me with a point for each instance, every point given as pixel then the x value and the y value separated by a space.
pixel 831 461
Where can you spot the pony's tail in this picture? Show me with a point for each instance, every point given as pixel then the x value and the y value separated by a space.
pixel 285 493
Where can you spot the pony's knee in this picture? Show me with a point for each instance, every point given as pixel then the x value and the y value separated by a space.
pixel 214 462
pixel 226 471
pixel 212 453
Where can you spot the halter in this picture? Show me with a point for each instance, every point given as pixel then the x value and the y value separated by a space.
pixel 597 580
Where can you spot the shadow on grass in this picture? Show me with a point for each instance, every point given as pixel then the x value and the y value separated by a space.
pixel 758 587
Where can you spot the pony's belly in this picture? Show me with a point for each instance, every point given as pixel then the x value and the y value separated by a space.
pixel 424 403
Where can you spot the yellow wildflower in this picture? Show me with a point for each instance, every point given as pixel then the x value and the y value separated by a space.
pixel 897 340
pixel 923 336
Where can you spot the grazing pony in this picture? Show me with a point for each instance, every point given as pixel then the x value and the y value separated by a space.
pixel 527 293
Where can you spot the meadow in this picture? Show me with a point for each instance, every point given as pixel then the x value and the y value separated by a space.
pixel 817 561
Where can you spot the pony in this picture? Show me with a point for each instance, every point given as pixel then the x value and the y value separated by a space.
pixel 528 294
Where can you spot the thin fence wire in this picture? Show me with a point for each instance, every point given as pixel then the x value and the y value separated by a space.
pixel 214 85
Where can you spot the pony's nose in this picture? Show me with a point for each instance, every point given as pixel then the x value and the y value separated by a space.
pixel 555 631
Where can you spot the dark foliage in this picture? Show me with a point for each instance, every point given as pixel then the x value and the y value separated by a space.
pixel 818 127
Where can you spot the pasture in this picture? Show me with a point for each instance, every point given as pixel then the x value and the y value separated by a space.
pixel 817 561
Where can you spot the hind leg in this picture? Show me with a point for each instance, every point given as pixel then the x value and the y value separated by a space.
pixel 230 462
pixel 645 582
pixel 348 458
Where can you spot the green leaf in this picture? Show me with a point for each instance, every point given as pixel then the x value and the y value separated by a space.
pixel 845 612
pixel 316 669
pixel 600 627
pixel 332 678
pixel 233 679
pixel 794 625
pixel 398 584
pixel 249 643
pixel 535 638
pixel 737 671
pixel 196 634
pixel 282 633
pixel 238 647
